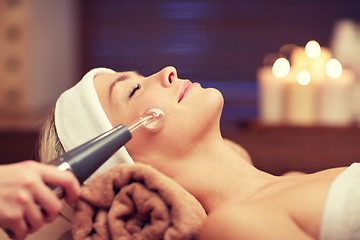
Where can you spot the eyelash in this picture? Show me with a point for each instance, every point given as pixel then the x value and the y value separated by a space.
pixel 137 87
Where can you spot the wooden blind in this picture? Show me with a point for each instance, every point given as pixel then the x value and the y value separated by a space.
pixel 215 42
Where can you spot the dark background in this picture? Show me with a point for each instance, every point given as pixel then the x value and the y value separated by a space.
pixel 219 43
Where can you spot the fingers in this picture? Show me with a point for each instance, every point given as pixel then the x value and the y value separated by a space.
pixel 12 217
pixel 34 216
pixel 29 210
pixel 50 175
pixel 18 229
pixel 71 188
pixel 65 179
pixel 48 202
pixel 26 201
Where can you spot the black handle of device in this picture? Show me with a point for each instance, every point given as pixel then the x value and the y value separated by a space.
pixel 88 157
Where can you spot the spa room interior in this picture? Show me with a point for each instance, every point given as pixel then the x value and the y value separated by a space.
pixel 289 71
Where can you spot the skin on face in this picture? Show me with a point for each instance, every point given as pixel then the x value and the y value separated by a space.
pixel 192 113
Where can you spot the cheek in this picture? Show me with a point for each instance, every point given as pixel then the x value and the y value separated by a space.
pixel 198 117
pixel 150 101
pixel 183 123
pixel 212 104
pixel 136 109
pixel 116 114
pixel 206 109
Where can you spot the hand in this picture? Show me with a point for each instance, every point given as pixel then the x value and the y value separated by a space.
pixel 26 202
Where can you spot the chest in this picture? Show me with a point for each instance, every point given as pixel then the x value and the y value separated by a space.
pixel 301 200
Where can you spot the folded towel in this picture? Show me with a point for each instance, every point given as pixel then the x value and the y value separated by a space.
pixel 135 201
pixel 341 217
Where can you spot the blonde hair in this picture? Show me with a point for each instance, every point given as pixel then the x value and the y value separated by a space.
pixel 50 146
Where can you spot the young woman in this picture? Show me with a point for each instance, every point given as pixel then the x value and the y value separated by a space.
pixel 242 202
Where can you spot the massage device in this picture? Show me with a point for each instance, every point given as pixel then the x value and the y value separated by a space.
pixel 88 157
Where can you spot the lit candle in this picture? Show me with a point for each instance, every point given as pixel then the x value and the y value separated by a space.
pixel 299 59
pixel 335 95
pixel 312 58
pixel 271 91
pixel 301 108
pixel 319 56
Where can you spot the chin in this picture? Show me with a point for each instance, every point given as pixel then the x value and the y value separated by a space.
pixel 212 106
pixel 216 99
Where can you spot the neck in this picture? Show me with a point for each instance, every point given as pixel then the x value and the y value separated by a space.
pixel 216 174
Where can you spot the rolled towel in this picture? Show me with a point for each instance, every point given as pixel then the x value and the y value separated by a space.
pixel 135 201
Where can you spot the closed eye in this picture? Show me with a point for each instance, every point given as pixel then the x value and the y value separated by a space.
pixel 137 87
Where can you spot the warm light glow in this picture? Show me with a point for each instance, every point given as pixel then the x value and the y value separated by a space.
pixel 333 68
pixel 281 67
pixel 303 78
pixel 313 49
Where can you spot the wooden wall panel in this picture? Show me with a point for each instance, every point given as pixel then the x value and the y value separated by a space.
pixel 15 22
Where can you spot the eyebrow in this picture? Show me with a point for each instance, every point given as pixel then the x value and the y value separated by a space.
pixel 121 78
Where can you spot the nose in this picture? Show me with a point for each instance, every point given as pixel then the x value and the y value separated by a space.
pixel 168 76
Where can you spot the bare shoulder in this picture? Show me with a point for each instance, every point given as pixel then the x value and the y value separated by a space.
pixel 250 221
pixel 291 208
pixel 306 198
pixel 300 198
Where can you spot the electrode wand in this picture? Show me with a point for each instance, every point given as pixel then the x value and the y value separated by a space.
pixel 84 160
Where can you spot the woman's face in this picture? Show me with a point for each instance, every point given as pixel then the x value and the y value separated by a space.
pixel 190 110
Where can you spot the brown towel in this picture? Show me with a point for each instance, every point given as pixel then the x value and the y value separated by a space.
pixel 135 201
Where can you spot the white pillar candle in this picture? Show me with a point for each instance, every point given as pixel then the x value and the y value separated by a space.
pixel 301 100
pixel 336 107
pixel 312 58
pixel 317 66
pixel 356 102
pixel 299 60
pixel 271 97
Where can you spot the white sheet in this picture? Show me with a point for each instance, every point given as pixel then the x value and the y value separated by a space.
pixel 341 218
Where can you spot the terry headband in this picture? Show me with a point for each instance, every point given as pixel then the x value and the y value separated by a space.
pixel 79 117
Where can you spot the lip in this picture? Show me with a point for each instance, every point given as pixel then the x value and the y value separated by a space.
pixel 185 89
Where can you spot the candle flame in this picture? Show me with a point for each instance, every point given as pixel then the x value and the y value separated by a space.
pixel 281 67
pixel 303 78
pixel 333 68
pixel 313 49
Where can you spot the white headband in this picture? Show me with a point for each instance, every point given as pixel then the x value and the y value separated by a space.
pixel 79 117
